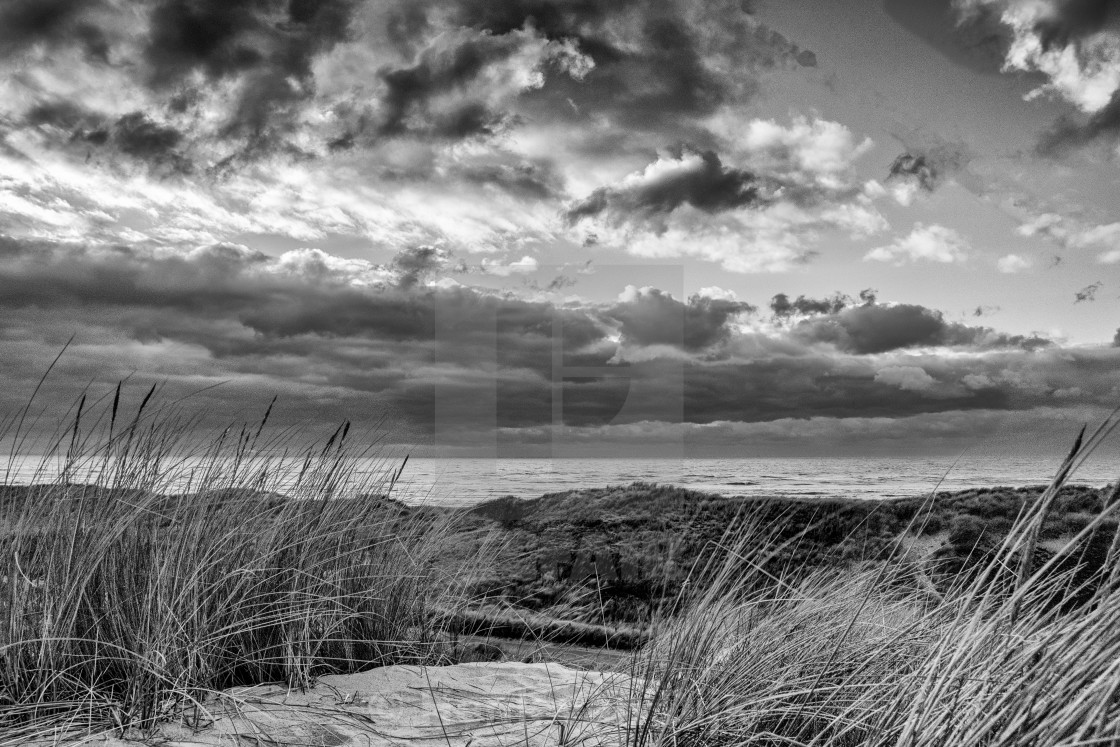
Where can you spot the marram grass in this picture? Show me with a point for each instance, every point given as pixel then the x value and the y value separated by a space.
pixel 1024 652
pixel 152 570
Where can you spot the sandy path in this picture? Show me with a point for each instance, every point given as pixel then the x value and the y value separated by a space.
pixel 480 705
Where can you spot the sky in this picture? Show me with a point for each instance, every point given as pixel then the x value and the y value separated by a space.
pixel 570 227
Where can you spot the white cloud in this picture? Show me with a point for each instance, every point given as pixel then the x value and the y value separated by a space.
pixel 521 266
pixel 1012 263
pixel 716 293
pixel 1045 224
pixel 932 243
pixel 773 239
pixel 1107 235
pixel 823 149
pixel 905 192
pixel 1070 233
pixel 1084 71
pixel 909 378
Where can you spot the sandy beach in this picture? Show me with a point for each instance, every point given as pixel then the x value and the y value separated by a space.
pixel 481 705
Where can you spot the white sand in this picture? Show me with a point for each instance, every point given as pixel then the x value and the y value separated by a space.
pixel 480 705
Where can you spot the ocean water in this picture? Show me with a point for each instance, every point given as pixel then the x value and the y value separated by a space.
pixel 465 481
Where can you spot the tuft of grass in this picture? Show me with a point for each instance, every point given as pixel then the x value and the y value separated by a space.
pixel 148 569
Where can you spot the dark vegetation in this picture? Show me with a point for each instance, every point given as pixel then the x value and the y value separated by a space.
pixel 618 557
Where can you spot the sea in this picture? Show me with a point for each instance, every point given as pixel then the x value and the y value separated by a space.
pixel 466 481
pixel 460 482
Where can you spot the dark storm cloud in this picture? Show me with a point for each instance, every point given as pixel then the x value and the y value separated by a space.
pixel 271 299
pixel 272 41
pixel 875 328
pixel 1072 20
pixel 65 116
pixel 697 179
pixel 649 55
pixel 445 66
pixel 135 135
pixel 812 387
pixel 647 62
pixel 653 317
pixel 27 22
pixel 465 69
pixel 138 136
pixel 336 337
pixel 782 307
pixel 226 37
pixel 417 264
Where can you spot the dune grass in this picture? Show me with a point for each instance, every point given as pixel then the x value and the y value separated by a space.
pixel 149 569
pixel 1024 651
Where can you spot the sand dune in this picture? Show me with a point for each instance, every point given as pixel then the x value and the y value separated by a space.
pixel 468 704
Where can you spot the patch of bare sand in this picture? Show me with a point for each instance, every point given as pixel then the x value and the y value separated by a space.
pixel 475 705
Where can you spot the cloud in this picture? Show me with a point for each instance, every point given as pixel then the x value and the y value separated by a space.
pixel 907 378
pixel 1088 293
pixel 251 79
pixel 924 170
pixel 718 293
pixel 417 264
pixel 784 308
pixel 691 178
pixel 917 168
pixel 871 328
pixel 27 22
pixel 648 316
pixel 462 83
pixel 1043 224
pixel 757 208
pixel 521 266
pixel 934 243
pixel 1072 233
pixel 977 381
pixel 816 154
pixel 379 122
pixel 1012 263
pixel 1076 45
pixel 138 136
pixel 268 47
pixel 344 338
